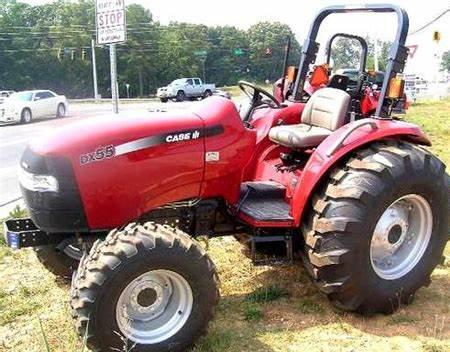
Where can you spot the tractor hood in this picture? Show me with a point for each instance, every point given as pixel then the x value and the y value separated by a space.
pixel 129 163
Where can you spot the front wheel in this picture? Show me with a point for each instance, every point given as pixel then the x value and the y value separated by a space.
pixel 148 286
pixel 181 96
pixel 26 116
pixel 378 228
pixel 164 100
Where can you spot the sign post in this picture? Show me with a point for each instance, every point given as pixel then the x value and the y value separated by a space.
pixel 111 29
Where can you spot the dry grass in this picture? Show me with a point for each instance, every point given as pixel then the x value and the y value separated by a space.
pixel 262 308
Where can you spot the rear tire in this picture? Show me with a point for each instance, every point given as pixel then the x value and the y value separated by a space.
pixel 181 96
pixel 136 262
pixel 207 94
pixel 26 116
pixel 359 208
pixel 61 111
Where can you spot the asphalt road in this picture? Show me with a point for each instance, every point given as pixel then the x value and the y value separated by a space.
pixel 14 138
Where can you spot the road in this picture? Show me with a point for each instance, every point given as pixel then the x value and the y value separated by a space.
pixel 14 138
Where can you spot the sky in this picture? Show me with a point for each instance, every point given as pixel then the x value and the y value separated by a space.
pixel 299 14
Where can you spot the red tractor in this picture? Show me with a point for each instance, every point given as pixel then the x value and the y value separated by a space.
pixel 357 198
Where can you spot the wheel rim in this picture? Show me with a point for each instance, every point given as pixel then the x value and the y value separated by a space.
pixel 61 111
pixel 27 115
pixel 154 306
pixel 401 237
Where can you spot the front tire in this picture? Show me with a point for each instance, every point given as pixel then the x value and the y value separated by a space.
pixel 164 100
pixel 57 261
pixel 181 96
pixel 378 228
pixel 26 116
pixel 147 285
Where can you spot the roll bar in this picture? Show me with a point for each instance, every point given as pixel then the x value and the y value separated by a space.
pixel 362 42
pixel 397 55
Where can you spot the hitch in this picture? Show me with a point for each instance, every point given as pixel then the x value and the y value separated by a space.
pixel 21 233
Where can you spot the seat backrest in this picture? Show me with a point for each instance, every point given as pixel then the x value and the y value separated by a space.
pixel 339 82
pixel 326 108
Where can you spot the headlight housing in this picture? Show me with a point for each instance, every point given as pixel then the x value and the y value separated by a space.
pixel 38 183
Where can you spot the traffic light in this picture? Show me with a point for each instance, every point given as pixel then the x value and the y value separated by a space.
pixel 436 36
pixel 60 54
pixel 268 52
pixel 83 54
pixel 72 54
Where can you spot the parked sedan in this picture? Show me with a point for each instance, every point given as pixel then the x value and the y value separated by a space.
pixel 5 94
pixel 34 104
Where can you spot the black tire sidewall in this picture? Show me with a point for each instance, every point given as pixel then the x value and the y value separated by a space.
pixel 58 115
pixel 181 96
pixel 402 289
pixel 199 278
pixel 22 116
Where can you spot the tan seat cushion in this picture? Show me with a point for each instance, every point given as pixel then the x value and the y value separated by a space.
pixel 300 135
pixel 324 113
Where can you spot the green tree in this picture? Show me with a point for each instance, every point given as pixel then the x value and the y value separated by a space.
pixel 270 36
pixel 445 63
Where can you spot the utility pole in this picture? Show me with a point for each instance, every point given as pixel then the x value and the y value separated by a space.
pixel 375 54
pixel 204 70
pixel 114 90
pixel 94 70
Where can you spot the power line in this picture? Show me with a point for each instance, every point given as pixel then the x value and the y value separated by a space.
pixel 429 23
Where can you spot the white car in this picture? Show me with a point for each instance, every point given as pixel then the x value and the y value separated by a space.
pixel 33 104
pixel 4 94
pixel 183 88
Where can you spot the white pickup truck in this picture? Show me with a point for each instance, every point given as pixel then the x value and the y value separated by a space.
pixel 185 88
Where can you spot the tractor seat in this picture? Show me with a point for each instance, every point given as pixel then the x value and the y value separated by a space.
pixel 324 113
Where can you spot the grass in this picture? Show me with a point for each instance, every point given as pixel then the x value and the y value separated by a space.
pixel 263 309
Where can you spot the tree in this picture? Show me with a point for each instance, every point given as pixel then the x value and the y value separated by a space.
pixel 264 63
pixel 445 63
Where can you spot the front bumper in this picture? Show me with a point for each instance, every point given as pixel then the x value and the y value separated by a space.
pixel 7 116
pixel 164 94
pixel 54 212
pixel 21 233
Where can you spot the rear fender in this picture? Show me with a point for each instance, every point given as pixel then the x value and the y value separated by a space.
pixel 321 162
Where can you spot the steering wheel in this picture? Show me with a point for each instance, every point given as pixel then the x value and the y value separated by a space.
pixel 256 97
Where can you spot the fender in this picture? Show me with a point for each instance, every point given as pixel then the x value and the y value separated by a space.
pixel 321 162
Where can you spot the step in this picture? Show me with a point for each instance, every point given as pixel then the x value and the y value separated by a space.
pixel 264 201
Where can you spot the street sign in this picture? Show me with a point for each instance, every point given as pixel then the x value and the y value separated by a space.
pixel 110 21
pixel 200 53
pixel 238 52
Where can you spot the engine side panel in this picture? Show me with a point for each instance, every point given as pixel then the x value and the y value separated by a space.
pixel 127 165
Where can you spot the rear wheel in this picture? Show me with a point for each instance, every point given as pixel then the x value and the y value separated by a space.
pixel 26 116
pixel 148 286
pixel 378 228
pixel 181 96
pixel 207 94
pixel 61 111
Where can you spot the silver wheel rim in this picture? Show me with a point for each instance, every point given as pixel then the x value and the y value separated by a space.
pixel 61 111
pixel 401 237
pixel 154 306
pixel 27 115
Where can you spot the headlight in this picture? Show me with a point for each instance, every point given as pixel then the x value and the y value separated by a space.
pixel 37 183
